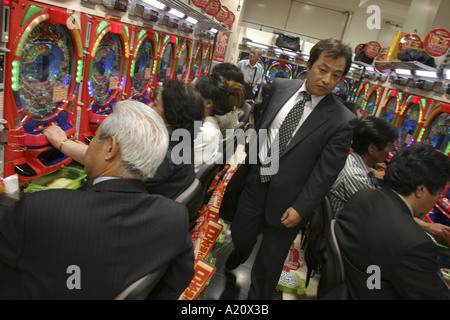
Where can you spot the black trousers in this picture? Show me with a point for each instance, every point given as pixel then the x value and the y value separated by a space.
pixel 248 222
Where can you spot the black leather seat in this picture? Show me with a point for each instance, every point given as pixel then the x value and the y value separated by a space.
pixel 332 277
pixel 141 288
pixel 192 197
pixel 207 172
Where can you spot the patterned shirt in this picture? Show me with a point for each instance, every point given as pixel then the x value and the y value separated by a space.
pixel 355 176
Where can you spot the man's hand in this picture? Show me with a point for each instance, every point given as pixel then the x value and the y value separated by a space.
pixel 291 218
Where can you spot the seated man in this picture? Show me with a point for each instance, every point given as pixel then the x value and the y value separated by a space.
pixel 372 141
pixel 71 244
pixel 386 254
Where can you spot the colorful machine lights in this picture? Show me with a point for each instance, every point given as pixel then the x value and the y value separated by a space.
pixel 15 75
pixel 90 88
pixel 122 83
pixel 79 77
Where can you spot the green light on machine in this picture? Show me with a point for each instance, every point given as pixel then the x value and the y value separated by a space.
pixel 15 75
pixel 421 135
pixel 132 68
pixel 447 150
pixel 79 71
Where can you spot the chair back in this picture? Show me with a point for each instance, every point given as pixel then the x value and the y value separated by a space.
pixel 141 288
pixel 192 197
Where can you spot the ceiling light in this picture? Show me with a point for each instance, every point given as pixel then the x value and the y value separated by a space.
pixel 156 4
pixel 403 71
pixel 191 20
pixel 177 13
pixel 427 74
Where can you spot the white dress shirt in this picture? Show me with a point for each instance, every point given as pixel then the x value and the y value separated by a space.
pixel 279 118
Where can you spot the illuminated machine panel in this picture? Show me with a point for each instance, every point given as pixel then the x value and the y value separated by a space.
pixel 43 76
pixel 196 62
pixel 410 120
pixel 206 59
pixel 105 75
pixel 343 87
pixel 373 101
pixel 168 50
pixel 182 59
pixel 436 129
pixel 279 69
pixel 391 106
pixel 301 73
pixel 362 94
pixel 143 65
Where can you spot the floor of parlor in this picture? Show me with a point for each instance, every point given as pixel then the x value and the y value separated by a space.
pixel 234 285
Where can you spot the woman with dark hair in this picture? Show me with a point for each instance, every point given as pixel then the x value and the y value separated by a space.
pixel 221 100
pixel 181 107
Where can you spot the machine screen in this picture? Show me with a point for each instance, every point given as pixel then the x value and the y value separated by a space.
pixel 438 134
pixel 389 112
pixel 182 64
pixel 302 75
pixel 166 64
pixel 279 70
pixel 408 126
pixel 143 66
pixel 342 86
pixel 46 68
pixel 107 66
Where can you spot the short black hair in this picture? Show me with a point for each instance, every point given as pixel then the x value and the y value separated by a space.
pixel 229 71
pixel 373 130
pixel 417 165
pixel 182 105
pixel 335 49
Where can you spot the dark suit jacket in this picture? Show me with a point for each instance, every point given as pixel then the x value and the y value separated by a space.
pixel 115 232
pixel 377 228
pixel 314 157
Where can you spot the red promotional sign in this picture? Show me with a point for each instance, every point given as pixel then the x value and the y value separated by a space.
pixel 410 41
pixel 201 3
pixel 372 49
pixel 213 7
pixel 437 42
pixel 221 47
pixel 230 19
pixel 222 15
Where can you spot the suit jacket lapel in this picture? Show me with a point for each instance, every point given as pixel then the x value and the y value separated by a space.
pixel 320 114
pixel 284 91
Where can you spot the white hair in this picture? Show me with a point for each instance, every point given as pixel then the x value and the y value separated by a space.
pixel 141 135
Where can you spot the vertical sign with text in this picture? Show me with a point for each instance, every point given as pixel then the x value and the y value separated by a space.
pixel 221 47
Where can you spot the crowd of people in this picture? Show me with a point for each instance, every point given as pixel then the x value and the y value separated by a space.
pixel 127 224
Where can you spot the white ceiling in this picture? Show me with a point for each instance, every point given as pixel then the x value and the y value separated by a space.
pixel 391 9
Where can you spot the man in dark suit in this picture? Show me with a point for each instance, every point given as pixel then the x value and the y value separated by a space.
pixel 386 253
pixel 71 244
pixel 283 188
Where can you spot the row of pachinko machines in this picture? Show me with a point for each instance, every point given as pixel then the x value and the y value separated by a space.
pixel 66 68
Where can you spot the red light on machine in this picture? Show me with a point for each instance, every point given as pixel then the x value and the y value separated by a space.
pixel 7 2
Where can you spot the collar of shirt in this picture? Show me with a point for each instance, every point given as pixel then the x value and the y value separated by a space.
pixel 100 179
pixel 361 164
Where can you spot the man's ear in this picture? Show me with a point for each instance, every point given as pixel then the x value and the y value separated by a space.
pixel 420 191
pixel 372 148
pixel 111 148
